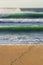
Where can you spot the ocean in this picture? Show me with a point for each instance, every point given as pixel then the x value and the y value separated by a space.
pixel 13 38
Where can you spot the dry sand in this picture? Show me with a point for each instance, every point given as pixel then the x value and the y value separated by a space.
pixel 21 55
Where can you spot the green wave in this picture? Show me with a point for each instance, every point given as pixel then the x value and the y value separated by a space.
pixel 23 15
pixel 22 28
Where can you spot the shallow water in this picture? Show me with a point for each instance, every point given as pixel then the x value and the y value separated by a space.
pixel 21 38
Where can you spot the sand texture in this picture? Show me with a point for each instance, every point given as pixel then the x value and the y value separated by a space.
pixel 21 55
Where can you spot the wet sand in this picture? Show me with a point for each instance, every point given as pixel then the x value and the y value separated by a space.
pixel 21 55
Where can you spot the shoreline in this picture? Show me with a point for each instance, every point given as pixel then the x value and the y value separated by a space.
pixel 21 44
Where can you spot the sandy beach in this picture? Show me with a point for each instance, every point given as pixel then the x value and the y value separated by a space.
pixel 21 55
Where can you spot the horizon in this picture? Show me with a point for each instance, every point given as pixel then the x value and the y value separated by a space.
pixel 21 4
